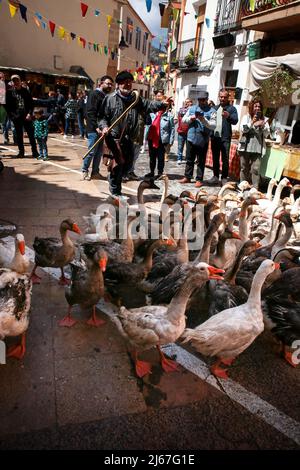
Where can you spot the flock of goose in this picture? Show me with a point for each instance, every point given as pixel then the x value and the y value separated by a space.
pixel 244 277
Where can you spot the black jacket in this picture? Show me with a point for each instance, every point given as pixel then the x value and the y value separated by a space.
pixel 113 107
pixel 227 122
pixel 93 109
pixel 11 106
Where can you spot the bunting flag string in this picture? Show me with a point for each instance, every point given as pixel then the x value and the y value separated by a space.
pixel 63 34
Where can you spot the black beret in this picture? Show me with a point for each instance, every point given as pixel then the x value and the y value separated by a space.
pixel 124 75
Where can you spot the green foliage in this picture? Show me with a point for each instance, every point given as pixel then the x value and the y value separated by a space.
pixel 277 88
pixel 190 58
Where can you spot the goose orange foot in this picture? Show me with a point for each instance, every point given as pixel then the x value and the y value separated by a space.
pixel 17 351
pixel 288 357
pixel 94 320
pixel 217 371
pixel 68 320
pixel 168 365
pixel 142 368
pixel 63 281
pixel 35 279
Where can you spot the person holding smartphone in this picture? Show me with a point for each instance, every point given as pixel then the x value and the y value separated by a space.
pixel 201 120
pixel 252 147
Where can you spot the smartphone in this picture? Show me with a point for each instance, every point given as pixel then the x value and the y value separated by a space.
pixel 199 113
pixel 258 115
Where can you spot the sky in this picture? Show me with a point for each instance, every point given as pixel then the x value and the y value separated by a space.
pixel 151 19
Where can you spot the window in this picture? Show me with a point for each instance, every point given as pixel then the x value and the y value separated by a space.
pixel 144 50
pixel 129 30
pixel 138 39
pixel 149 50
pixel 231 78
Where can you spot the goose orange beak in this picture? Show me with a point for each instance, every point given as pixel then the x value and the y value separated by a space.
pixel 170 242
pixel 102 264
pixel 21 246
pixel 289 185
pixel 76 229
pixel 235 235
pixel 214 273
pixel 277 265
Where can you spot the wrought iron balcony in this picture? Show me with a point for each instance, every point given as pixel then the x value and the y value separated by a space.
pixel 228 16
pixel 185 60
pixel 262 5
pixel 272 15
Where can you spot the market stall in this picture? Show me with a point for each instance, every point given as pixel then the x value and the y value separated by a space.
pixel 276 80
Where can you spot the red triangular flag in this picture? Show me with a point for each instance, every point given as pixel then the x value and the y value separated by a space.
pixel 84 8
pixel 52 27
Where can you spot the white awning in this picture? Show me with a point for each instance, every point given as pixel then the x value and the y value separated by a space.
pixel 262 69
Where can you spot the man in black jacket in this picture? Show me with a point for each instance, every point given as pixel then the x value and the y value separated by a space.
pixel 19 107
pixel 93 115
pixel 120 140
pixel 221 138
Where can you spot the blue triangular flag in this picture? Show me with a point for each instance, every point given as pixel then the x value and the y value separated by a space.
pixel 148 5
pixel 207 22
pixel 97 12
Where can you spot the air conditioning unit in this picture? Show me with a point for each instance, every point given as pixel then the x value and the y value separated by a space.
pixel 223 40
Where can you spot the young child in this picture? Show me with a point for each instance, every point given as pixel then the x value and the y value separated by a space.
pixel 41 133
pixel 71 108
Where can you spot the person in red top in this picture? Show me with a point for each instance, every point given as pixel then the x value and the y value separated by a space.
pixel 182 129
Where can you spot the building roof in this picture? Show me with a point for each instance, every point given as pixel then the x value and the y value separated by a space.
pixel 46 72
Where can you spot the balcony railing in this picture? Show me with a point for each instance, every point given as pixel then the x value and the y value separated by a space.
pixel 228 17
pixel 184 49
pixel 262 5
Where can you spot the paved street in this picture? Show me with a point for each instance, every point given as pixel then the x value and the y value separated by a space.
pixel 76 388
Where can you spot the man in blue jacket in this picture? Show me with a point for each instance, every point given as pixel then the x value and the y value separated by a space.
pixel 201 121
pixel 226 115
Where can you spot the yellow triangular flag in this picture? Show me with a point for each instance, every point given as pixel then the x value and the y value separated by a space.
pixel 12 10
pixel 109 20
pixel 61 32
pixel 252 5
pixel 175 14
pixel 78 40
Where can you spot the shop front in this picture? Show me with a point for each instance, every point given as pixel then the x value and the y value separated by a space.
pixel 41 82
pixel 276 80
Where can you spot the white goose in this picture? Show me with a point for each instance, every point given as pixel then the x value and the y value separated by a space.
pixel 15 300
pixel 16 261
pixel 230 332
pixel 155 325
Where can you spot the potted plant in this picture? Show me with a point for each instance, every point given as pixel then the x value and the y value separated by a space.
pixel 190 58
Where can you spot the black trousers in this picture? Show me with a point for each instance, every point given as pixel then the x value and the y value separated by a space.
pixel 217 146
pixel 156 155
pixel 195 152
pixel 115 176
pixel 21 124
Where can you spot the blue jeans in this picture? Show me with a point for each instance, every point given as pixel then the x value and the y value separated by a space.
pixel 71 122
pixel 181 142
pixel 94 155
pixel 42 143
pixel 81 124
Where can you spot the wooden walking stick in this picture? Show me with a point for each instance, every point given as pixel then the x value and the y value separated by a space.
pixel 102 137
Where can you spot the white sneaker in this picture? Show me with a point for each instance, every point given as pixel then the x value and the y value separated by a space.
pixel 73 137
pixel 65 136
pixel 85 176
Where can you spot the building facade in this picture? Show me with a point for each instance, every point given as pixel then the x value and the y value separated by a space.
pixel 133 38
